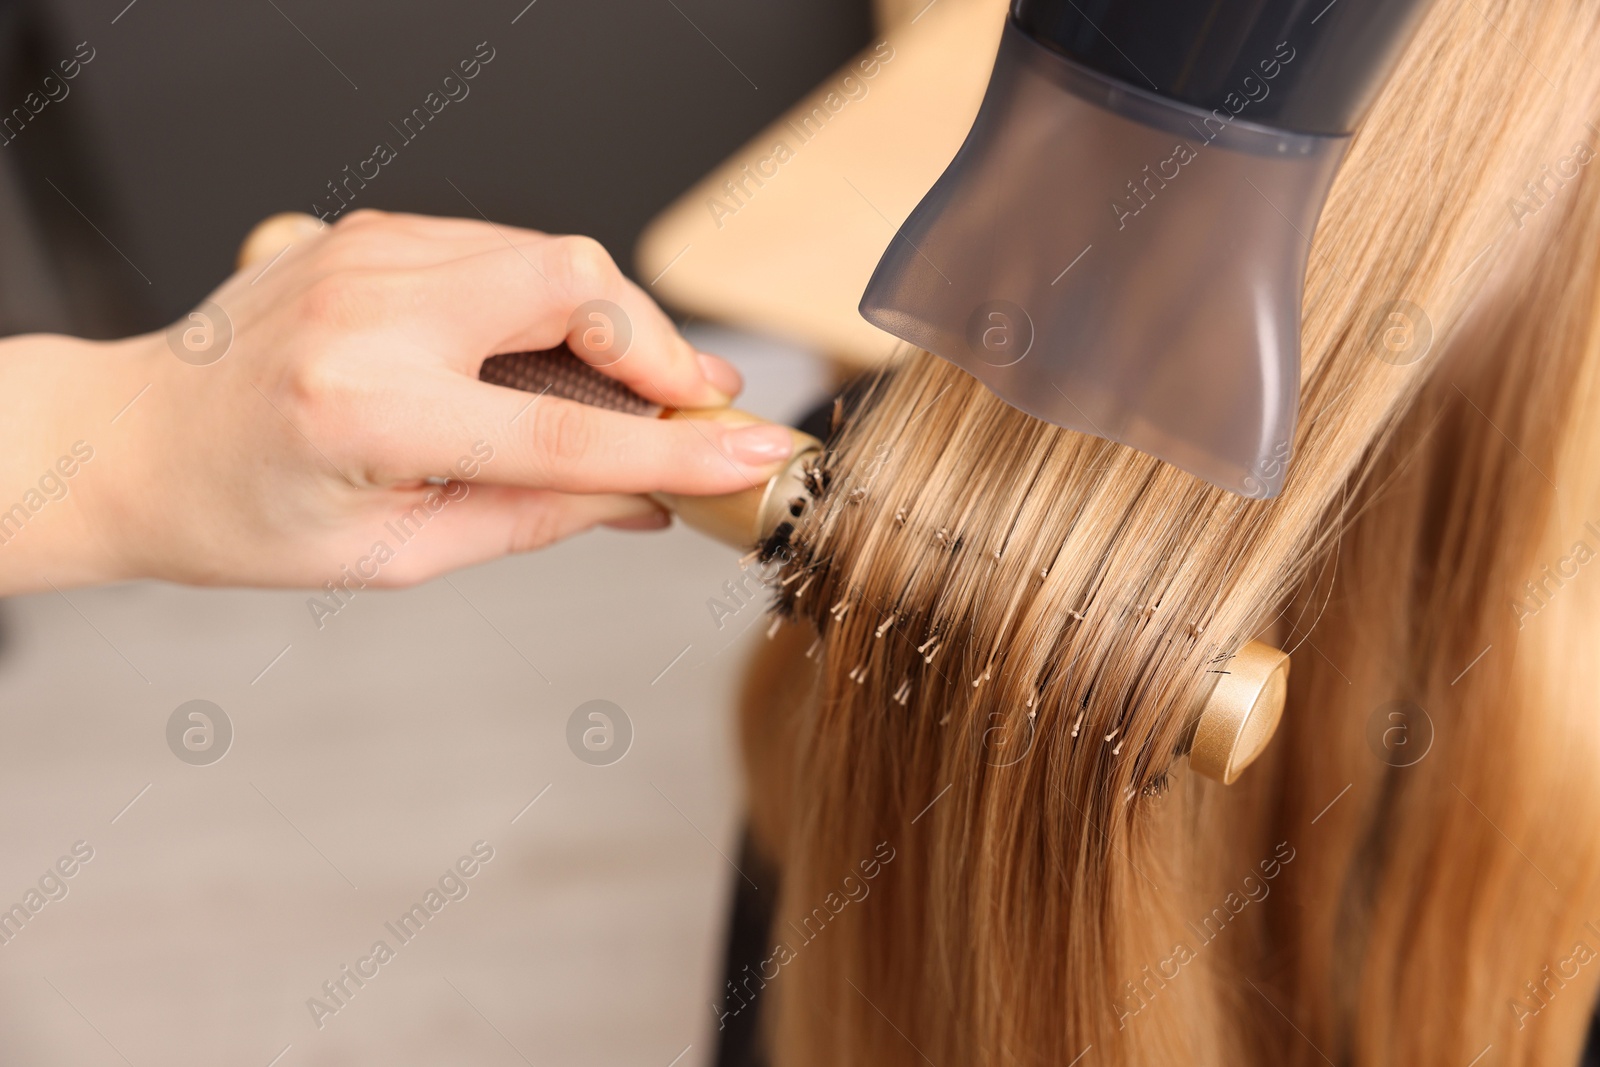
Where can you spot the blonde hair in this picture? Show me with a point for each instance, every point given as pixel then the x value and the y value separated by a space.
pixel 1011 625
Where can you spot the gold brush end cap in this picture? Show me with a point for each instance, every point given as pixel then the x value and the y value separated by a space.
pixel 274 234
pixel 749 516
pixel 1241 714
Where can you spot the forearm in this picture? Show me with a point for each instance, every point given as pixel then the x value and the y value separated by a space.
pixel 60 444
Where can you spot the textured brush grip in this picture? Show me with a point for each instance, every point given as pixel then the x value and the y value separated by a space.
pixel 560 373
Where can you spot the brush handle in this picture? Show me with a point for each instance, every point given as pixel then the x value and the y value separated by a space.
pixel 560 373
pixel 740 519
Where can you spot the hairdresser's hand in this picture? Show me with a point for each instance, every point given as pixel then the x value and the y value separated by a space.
pixel 304 445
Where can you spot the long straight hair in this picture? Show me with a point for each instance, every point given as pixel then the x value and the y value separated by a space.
pixel 963 754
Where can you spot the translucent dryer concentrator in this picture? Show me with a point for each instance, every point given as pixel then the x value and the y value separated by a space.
pixel 1120 245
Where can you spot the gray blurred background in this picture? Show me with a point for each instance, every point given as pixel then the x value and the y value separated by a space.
pixel 195 120
pixel 370 755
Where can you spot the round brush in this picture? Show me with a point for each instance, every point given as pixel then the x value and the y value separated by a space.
pixel 742 519
pixel 1229 730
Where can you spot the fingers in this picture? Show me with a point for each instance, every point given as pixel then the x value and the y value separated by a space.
pixel 477 523
pixel 433 227
pixel 451 426
pixel 374 240
pixel 535 294
pixel 481 289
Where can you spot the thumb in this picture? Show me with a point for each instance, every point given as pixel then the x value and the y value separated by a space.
pixel 496 520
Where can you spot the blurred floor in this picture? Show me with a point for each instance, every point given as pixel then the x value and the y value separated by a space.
pixel 369 757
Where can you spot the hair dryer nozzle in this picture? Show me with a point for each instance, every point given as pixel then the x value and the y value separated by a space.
pixel 1119 263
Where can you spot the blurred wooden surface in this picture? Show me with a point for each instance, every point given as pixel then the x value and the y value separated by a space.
pixel 784 234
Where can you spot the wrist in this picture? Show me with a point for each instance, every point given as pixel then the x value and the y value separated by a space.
pixel 62 459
